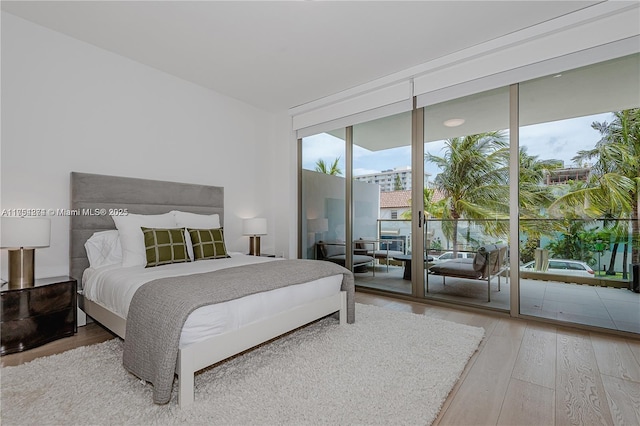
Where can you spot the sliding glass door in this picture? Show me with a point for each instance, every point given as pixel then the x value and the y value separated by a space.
pixel 382 193
pixel 323 196
pixel 364 223
pixel 580 138
pixel 520 199
pixel 466 200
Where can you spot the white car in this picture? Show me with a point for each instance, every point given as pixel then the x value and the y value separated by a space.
pixel 562 267
pixel 449 256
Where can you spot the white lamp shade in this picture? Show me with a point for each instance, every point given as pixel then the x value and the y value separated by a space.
pixel 20 232
pixel 318 225
pixel 255 226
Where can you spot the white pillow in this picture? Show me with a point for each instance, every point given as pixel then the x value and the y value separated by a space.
pixel 195 221
pixel 131 237
pixel 103 248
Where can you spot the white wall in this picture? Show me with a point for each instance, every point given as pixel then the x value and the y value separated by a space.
pixel 283 193
pixel 69 106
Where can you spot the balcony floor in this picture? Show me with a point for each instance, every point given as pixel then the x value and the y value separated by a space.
pixel 613 308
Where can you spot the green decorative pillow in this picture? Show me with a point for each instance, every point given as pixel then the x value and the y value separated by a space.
pixel 208 243
pixel 164 246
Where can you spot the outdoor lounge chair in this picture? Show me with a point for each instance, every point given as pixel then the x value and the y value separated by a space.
pixel 380 249
pixel 336 252
pixel 489 261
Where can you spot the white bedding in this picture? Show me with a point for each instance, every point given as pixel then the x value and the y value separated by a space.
pixel 114 286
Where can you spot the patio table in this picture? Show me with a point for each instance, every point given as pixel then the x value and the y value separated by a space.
pixel 406 258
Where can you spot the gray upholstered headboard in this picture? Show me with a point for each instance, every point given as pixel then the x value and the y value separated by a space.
pixel 90 192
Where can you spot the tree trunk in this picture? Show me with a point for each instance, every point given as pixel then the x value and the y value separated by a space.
pixel 635 231
pixel 454 238
pixel 612 262
pixel 625 255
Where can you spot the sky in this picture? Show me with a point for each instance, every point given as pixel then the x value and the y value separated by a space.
pixel 551 140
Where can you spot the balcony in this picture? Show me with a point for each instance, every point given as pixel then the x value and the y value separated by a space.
pixel 599 299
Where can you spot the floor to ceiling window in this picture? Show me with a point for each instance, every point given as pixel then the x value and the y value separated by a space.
pixel 382 179
pixel 466 202
pixel 568 145
pixel 323 224
pixel 580 156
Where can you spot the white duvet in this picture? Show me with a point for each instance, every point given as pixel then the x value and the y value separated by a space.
pixel 114 286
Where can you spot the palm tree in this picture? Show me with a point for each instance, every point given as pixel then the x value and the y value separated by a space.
pixel 474 179
pixel 491 199
pixel 534 195
pixel 614 232
pixel 614 182
pixel 333 170
pixel 432 209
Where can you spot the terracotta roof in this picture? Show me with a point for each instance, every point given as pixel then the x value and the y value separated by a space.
pixel 395 199
pixel 437 196
pixel 400 199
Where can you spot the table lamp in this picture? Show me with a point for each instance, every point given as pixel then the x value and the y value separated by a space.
pixel 254 228
pixel 318 226
pixel 21 236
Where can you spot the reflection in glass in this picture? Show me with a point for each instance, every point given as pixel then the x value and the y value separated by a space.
pixel 323 193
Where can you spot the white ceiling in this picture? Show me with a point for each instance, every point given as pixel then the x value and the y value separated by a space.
pixel 278 55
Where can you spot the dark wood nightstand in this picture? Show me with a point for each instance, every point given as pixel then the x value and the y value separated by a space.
pixel 33 316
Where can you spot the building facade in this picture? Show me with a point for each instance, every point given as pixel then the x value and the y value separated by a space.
pixel 396 179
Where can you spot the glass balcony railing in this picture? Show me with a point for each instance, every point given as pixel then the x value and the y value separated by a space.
pixel 596 252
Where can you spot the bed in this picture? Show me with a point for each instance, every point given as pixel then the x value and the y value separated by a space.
pixel 95 197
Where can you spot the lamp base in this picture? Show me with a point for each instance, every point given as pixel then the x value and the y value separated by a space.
pixel 21 268
pixel 254 245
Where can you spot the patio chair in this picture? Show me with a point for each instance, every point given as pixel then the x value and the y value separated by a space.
pixel 489 261
pixel 336 252
pixel 380 249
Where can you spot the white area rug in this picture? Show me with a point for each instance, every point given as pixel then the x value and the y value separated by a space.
pixel 388 368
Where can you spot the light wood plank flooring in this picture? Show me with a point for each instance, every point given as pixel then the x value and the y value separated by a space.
pixel 87 335
pixel 524 372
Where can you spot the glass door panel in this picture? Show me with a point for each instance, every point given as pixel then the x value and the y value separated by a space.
pixel 579 133
pixel 466 200
pixel 323 197
pixel 382 179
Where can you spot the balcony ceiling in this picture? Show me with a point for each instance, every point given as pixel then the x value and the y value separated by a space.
pixel 278 55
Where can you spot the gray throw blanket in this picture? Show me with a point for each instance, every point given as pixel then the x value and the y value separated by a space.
pixel 160 308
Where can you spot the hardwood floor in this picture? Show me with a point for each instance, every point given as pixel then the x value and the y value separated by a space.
pixel 524 372
pixel 528 373
pixel 87 335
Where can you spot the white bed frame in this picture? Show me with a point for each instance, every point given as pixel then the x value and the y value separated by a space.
pixel 144 196
pixel 197 356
